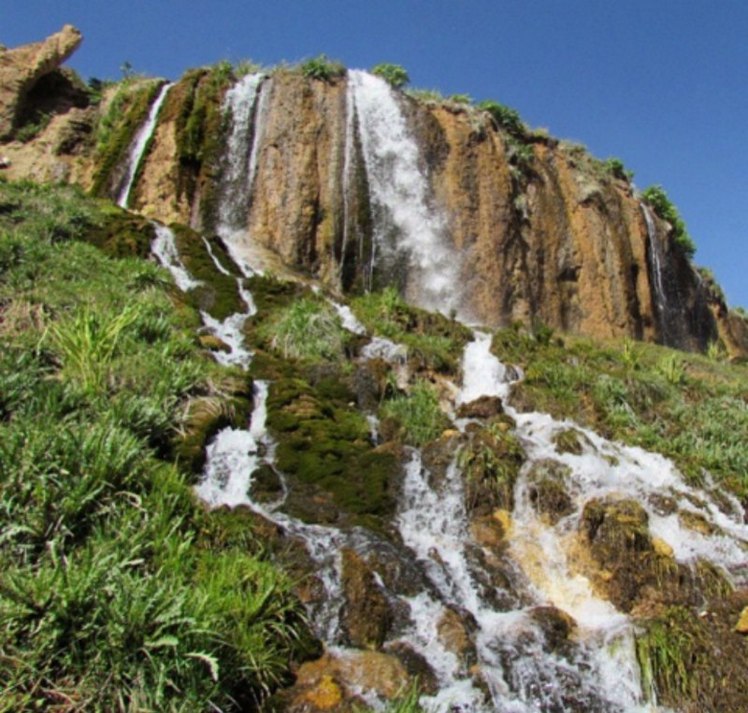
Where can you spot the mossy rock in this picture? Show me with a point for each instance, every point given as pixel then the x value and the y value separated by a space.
pixel 219 294
pixel 694 659
pixel 631 568
pixel 205 417
pixel 324 443
pixel 570 440
pixel 547 489
pixel 121 234
pixel 491 464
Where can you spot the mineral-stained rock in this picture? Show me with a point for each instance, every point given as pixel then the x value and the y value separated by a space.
pixel 455 628
pixel 366 615
pixel 483 407
pixel 742 626
pixel 23 67
pixel 332 683
pixel 547 489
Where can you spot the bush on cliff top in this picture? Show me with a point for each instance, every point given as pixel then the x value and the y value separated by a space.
pixel 665 209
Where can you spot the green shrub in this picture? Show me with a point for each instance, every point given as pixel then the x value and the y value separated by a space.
pixel 306 329
pixel 662 205
pixel 460 98
pixel 393 74
pixel 322 68
pixel 506 117
pixel 418 413
pixel 615 167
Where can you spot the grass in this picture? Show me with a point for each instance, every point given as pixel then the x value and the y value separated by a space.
pixel 433 341
pixel 118 592
pixel 306 329
pixel 418 414
pixel 689 407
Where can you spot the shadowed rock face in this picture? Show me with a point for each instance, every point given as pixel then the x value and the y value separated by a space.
pixel 544 235
pixel 22 68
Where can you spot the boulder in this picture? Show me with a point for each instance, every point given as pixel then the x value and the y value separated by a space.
pixel 547 490
pixel 336 681
pixel 366 614
pixel 23 67
pixel 483 407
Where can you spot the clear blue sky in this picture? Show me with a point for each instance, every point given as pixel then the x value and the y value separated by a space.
pixel 661 84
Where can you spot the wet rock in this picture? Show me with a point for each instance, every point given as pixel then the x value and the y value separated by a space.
pixel 266 485
pixel 216 344
pixel 547 489
pixel 366 614
pixel 490 464
pixel 697 522
pixel 663 504
pixel 416 665
pixel 571 441
pixel 484 407
pixel 335 682
pixel 488 531
pixel 617 534
pixel 439 454
pixel 557 627
pixel 456 629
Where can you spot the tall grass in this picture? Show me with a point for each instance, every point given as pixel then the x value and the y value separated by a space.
pixel 112 595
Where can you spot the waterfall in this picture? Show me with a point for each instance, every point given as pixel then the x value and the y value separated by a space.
pixel 657 282
pixel 246 103
pixel 138 146
pixel 164 247
pixel 404 220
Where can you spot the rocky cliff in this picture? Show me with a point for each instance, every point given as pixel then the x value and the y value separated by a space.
pixel 534 230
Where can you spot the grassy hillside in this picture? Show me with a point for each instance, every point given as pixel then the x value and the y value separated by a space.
pixel 117 591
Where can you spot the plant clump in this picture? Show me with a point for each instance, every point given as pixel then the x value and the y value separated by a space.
pixel 665 209
pixel 395 75
pixel 322 68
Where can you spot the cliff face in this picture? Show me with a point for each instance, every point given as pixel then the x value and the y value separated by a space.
pixel 538 230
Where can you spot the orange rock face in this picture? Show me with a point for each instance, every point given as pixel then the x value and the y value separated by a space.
pixel 544 233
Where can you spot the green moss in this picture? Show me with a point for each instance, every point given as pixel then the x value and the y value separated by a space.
pixel 200 127
pixel 219 294
pixel 325 444
pixel 116 130
pixel 417 414
pixel 121 234
pixel 491 462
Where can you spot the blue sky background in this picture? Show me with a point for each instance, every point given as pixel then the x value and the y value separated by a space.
pixel 660 84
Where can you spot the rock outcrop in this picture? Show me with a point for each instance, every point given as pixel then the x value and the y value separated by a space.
pixel 22 68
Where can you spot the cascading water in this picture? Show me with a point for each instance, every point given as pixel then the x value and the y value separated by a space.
pixel 164 247
pixel 246 102
pixel 135 154
pixel 656 259
pixel 403 219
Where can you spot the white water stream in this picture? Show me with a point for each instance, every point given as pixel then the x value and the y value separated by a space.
pixel 657 280
pixel 513 671
pixel 404 219
pixel 138 146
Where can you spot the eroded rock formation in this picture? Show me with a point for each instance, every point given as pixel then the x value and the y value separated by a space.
pixel 541 231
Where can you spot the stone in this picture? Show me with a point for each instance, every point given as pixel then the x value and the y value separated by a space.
pixel 742 626
pixel 484 407
pixel 547 490
pixel 455 631
pixel 23 67
pixel 366 614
